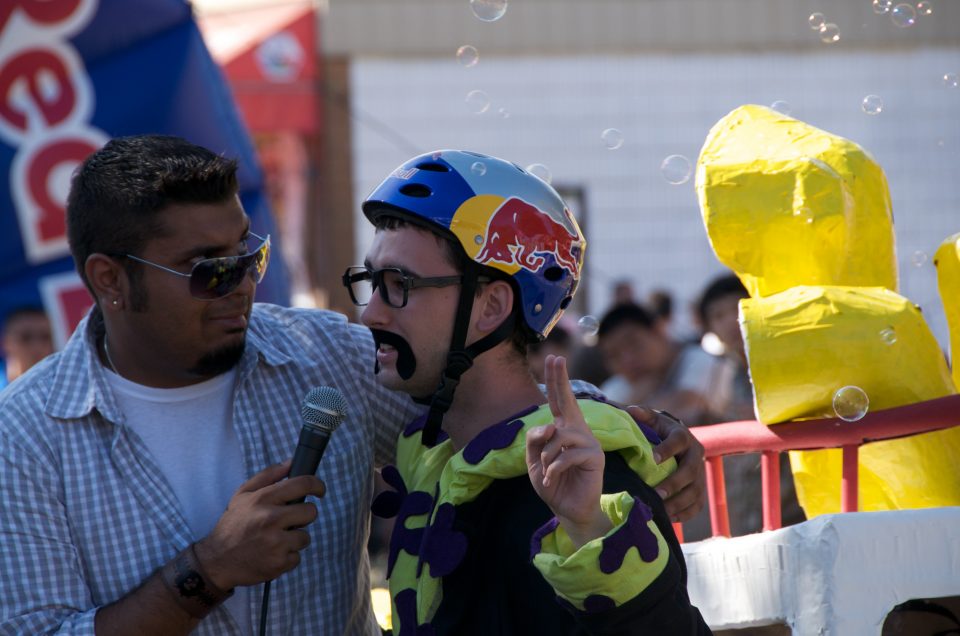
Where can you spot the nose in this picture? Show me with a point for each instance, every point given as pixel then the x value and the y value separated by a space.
pixel 376 314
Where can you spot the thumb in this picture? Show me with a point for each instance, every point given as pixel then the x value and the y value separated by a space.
pixel 267 476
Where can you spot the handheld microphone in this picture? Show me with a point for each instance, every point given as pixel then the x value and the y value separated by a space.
pixel 323 409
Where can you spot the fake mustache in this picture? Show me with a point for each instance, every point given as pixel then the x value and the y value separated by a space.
pixel 406 361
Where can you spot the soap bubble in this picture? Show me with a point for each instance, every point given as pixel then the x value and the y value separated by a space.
pixel 612 138
pixel 478 168
pixel 924 8
pixel 882 6
pixel 816 21
pixel 829 33
pixel 541 172
pixel 888 335
pixel 919 258
pixel 503 112
pixel 589 325
pixel 904 15
pixel 781 107
pixel 488 10
pixel 951 80
pixel 872 105
pixel 676 169
pixel 467 56
pixel 850 403
pixel 478 101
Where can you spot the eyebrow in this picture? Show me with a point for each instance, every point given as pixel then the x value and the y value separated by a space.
pixel 200 250
pixel 404 270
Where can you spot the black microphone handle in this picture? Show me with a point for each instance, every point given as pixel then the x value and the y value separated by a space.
pixel 313 441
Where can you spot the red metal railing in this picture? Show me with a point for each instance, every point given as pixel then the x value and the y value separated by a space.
pixel 753 437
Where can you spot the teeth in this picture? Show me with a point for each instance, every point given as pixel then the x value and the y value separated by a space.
pixel 385 348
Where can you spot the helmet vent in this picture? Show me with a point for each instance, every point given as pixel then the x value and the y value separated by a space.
pixel 553 274
pixel 417 190
pixel 431 166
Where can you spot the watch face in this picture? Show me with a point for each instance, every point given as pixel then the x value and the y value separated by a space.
pixel 190 583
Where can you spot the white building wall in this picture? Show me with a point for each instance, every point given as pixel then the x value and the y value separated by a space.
pixel 638 225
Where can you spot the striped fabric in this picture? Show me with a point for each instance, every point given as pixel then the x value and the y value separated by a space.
pixel 86 515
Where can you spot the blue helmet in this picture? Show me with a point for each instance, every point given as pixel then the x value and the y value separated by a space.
pixel 501 216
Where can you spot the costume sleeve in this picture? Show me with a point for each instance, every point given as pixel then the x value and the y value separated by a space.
pixel 42 589
pixel 630 581
pixel 610 570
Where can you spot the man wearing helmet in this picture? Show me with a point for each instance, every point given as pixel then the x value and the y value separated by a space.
pixel 466 268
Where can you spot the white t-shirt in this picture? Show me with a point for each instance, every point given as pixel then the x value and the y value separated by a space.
pixel 189 432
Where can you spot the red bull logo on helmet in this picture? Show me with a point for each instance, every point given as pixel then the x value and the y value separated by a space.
pixel 520 234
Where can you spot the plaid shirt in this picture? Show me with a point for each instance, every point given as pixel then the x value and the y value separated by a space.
pixel 86 515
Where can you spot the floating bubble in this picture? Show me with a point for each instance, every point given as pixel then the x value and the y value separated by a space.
pixel 816 20
pixel 488 10
pixel 882 6
pixel 589 325
pixel 904 15
pixel 676 169
pixel 781 107
pixel 872 105
pixel 888 335
pixel 804 215
pixel 541 172
pixel 478 168
pixel 612 138
pixel 478 101
pixel 951 80
pixel 467 56
pixel 503 112
pixel 919 258
pixel 924 8
pixel 850 403
pixel 829 33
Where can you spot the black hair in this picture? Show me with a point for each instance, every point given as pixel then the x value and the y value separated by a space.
pixel 388 219
pixel 118 191
pixel 624 314
pixel 661 303
pixel 723 285
pixel 558 336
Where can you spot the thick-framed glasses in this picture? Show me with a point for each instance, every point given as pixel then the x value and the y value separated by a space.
pixel 393 284
pixel 214 278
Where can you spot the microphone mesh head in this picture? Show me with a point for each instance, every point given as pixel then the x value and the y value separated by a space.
pixel 324 407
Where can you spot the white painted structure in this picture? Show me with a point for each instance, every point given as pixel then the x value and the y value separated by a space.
pixel 836 575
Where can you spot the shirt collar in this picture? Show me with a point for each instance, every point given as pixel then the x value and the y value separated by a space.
pixel 80 382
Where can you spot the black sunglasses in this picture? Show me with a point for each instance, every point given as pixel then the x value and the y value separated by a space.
pixel 393 283
pixel 214 278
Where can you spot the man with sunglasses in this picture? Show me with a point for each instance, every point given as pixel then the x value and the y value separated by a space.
pixel 142 468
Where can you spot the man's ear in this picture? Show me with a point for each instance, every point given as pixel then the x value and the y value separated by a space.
pixel 108 280
pixel 493 306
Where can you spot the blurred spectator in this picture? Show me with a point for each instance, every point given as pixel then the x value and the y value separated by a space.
pixel 26 339
pixel 652 369
pixel 558 343
pixel 623 292
pixel 718 312
pixel 660 302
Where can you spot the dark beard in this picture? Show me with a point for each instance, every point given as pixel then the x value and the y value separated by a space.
pixel 219 361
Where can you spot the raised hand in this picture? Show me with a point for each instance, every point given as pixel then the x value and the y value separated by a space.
pixel 565 461
pixel 258 537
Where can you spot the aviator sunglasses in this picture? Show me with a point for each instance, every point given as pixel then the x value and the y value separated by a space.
pixel 214 278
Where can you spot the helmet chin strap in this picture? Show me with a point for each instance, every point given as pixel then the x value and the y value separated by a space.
pixel 460 357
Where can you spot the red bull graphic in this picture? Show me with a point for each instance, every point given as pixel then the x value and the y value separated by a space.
pixel 520 234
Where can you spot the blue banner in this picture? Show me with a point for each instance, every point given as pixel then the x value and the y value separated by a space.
pixel 74 73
